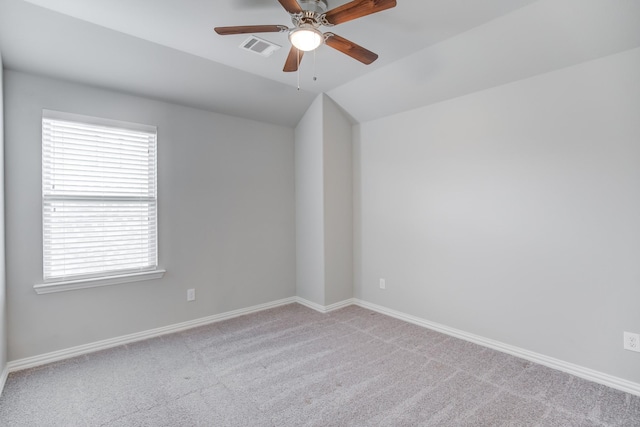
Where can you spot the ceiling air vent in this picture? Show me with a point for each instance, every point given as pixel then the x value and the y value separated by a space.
pixel 260 46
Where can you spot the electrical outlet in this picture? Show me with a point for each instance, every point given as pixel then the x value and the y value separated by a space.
pixel 632 341
pixel 383 284
pixel 191 294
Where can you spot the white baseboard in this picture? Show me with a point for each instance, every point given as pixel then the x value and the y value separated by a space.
pixel 55 356
pixel 323 308
pixel 570 368
pixel 3 378
pixel 561 365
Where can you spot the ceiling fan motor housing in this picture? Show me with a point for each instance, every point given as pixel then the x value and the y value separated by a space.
pixel 316 6
pixel 312 13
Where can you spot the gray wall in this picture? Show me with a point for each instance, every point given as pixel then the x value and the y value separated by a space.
pixel 324 215
pixel 310 205
pixel 512 213
pixel 338 203
pixel 3 293
pixel 226 209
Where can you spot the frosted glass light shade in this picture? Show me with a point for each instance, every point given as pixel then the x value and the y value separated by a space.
pixel 306 38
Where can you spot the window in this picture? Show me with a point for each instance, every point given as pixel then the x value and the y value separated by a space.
pixel 99 204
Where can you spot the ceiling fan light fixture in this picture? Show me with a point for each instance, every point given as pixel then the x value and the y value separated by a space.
pixel 306 38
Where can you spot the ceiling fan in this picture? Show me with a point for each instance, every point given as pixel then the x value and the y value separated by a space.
pixel 307 16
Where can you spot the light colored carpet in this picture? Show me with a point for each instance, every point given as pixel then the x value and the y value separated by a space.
pixel 292 366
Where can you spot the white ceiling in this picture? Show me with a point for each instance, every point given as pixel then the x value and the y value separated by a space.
pixel 430 49
pixel 544 36
pixel 187 25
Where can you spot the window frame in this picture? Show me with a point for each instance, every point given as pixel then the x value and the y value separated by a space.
pixel 66 283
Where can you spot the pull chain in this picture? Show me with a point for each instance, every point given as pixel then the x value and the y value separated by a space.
pixel 314 65
pixel 298 69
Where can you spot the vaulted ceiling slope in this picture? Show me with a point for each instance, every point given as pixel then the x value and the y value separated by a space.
pixel 430 50
pixel 40 41
pixel 542 37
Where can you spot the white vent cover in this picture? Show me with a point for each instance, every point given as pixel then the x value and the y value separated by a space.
pixel 260 46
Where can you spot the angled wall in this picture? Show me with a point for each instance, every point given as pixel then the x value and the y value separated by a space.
pixel 324 217
pixel 309 183
pixel 338 203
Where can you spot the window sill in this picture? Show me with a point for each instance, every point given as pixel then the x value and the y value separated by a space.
pixel 71 285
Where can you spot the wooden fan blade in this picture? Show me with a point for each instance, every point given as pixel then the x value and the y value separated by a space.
pixel 244 29
pixel 291 6
pixel 350 48
pixel 357 9
pixel 291 64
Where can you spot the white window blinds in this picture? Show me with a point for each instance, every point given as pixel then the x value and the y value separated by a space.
pixel 99 198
